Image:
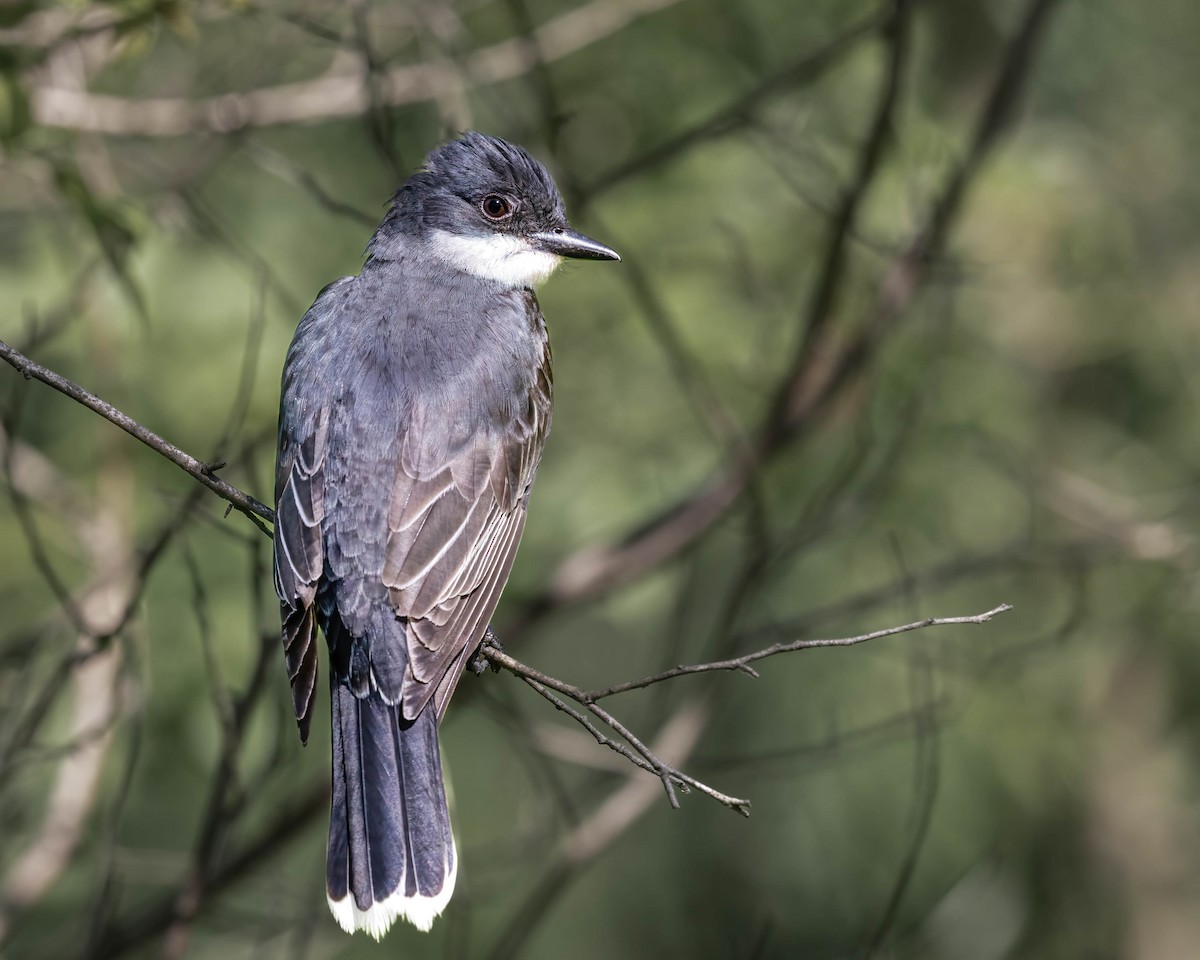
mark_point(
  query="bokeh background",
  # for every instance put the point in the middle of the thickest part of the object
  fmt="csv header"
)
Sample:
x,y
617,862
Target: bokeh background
x,y
906,327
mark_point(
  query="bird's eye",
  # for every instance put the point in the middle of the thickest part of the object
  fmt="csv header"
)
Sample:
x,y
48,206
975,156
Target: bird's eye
x,y
496,207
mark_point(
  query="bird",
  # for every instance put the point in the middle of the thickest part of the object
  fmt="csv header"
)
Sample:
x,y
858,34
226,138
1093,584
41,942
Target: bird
x,y
415,403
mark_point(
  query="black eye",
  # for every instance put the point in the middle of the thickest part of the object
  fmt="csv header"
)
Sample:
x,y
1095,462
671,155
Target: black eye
x,y
496,207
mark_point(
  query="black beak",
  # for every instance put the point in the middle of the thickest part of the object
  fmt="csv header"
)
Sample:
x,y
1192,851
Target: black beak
x,y
565,242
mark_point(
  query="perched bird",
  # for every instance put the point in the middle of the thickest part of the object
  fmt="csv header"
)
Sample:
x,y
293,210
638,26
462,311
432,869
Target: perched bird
x,y
416,400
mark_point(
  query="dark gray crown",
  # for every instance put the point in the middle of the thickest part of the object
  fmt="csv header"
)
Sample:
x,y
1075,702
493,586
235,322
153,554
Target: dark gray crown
x,y
447,192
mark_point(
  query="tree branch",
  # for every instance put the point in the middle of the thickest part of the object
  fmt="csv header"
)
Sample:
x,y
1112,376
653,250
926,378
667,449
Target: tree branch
x,y
593,570
637,752
203,472
743,662
804,70
332,96
642,756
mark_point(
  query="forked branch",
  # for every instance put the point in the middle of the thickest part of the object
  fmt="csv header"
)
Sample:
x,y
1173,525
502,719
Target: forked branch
x,y
637,752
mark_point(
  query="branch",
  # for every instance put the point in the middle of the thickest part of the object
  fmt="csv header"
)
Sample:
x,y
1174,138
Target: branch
x,y
812,352
201,471
125,936
333,96
644,758
203,879
743,662
594,570
637,752
94,671
602,828
805,70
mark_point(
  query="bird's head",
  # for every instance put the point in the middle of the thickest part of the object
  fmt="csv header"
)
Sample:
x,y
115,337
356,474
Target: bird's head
x,y
485,207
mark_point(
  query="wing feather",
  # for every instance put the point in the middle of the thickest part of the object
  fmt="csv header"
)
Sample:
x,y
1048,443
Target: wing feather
x,y
448,534
455,521
299,555
427,667
438,550
475,619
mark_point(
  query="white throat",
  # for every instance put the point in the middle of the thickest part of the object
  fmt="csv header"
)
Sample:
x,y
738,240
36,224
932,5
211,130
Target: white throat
x,y
511,261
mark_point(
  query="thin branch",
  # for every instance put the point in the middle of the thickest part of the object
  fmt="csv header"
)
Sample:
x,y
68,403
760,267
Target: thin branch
x,y
803,71
926,779
122,937
597,569
602,828
201,471
742,663
285,168
642,756
812,355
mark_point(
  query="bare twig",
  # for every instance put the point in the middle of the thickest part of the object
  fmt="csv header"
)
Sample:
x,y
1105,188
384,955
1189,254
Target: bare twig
x,y
640,755
201,471
93,674
160,914
806,69
812,354
94,711
742,663
602,828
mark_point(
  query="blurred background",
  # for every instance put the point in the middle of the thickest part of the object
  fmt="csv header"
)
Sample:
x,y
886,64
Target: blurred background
x,y
904,329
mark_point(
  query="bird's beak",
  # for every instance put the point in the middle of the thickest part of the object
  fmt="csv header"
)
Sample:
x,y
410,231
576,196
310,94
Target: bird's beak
x,y
565,242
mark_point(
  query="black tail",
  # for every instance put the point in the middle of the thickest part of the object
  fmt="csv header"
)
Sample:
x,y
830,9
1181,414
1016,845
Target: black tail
x,y
391,853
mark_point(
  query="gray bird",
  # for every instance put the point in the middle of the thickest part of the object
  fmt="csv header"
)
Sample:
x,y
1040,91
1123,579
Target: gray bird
x,y
416,401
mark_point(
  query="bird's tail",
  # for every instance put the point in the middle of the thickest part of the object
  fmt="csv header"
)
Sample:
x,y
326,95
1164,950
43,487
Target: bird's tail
x,y
391,853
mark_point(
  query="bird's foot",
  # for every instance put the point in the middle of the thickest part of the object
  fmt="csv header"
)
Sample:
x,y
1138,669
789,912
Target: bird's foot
x,y
480,662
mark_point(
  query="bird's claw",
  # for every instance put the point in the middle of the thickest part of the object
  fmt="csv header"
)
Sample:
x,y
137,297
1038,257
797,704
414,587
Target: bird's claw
x,y
480,662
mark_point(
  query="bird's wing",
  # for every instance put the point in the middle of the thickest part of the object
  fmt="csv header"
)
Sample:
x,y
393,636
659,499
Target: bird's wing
x,y
299,515
455,519
299,555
